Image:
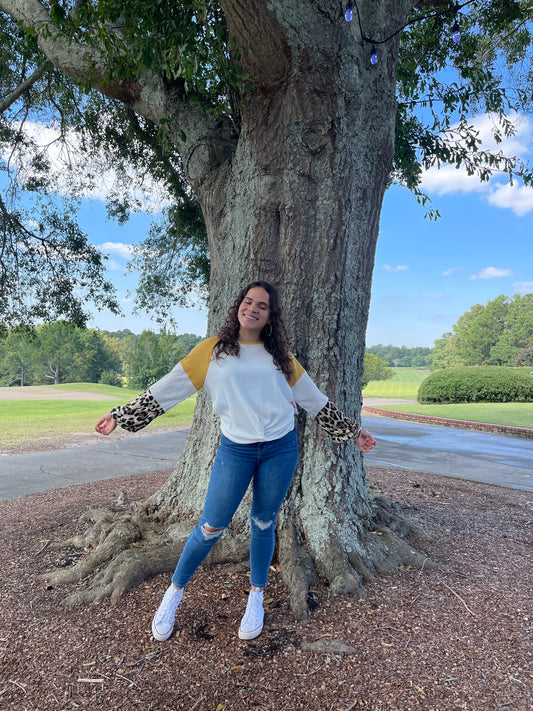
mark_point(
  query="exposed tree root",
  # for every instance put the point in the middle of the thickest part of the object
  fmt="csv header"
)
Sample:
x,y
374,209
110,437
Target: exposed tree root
x,y
381,549
106,538
297,569
128,569
386,513
126,547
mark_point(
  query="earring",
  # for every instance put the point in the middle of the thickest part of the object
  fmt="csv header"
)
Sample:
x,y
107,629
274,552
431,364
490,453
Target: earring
x,y
269,325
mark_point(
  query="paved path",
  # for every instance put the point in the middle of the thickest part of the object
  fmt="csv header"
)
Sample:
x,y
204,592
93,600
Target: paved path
x,y
477,456
22,474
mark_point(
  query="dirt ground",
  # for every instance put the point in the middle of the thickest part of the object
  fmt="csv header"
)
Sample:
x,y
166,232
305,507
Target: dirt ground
x,y
455,639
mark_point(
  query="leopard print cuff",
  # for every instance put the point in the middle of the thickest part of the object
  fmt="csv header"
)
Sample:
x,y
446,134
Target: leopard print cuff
x,y
336,425
138,413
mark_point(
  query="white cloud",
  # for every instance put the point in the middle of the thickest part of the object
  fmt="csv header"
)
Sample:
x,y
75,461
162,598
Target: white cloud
x,y
523,287
519,198
449,179
123,250
514,145
451,271
113,265
491,273
73,172
399,268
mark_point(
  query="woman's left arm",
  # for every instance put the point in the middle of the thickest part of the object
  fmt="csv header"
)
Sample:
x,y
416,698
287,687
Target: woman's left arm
x,y
334,423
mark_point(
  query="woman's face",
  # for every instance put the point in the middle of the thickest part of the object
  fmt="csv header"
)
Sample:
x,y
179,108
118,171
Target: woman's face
x,y
254,313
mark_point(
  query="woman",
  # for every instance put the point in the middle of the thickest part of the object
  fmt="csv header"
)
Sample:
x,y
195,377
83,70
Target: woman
x,y
255,384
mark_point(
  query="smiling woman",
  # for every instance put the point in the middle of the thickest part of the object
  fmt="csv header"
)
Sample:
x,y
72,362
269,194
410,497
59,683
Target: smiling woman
x,y
254,383
254,314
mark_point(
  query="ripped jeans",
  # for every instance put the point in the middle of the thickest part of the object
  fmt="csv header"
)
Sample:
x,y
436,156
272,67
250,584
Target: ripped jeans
x,y
271,466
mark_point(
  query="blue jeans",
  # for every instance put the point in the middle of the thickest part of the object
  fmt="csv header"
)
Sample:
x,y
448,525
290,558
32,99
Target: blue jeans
x,y
271,466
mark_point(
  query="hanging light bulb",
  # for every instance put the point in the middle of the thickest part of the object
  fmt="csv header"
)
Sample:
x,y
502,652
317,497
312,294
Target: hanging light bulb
x,y
374,55
349,11
455,29
456,33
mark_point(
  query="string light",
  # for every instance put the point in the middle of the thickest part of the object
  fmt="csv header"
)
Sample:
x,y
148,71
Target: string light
x,y
349,11
455,29
456,33
348,15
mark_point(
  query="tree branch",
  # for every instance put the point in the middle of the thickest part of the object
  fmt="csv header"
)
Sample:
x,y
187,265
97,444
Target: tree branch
x,y
24,86
252,24
148,94
433,3
81,63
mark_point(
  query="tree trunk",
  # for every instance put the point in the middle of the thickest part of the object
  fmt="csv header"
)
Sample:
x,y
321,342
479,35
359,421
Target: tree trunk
x,y
299,205
291,193
54,373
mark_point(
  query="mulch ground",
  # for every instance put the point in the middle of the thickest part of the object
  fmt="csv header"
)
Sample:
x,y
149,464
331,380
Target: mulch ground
x,y
454,639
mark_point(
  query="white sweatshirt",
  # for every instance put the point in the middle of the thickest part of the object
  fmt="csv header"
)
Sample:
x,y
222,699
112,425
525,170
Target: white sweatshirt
x,y
253,398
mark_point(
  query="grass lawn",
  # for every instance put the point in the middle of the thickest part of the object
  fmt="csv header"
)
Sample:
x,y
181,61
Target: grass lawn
x,y
23,419
514,414
404,384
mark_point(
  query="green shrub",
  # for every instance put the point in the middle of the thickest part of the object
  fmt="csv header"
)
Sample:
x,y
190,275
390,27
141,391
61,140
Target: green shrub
x,y
477,384
110,377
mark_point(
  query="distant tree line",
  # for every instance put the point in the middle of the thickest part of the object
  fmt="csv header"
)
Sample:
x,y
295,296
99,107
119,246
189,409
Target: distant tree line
x,y
375,368
60,352
401,356
499,333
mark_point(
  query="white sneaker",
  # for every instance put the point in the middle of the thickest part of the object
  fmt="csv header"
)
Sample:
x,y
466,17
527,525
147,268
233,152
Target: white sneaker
x,y
163,622
252,622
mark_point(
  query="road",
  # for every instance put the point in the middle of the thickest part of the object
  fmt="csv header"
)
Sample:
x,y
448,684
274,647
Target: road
x,y
465,454
22,474
495,459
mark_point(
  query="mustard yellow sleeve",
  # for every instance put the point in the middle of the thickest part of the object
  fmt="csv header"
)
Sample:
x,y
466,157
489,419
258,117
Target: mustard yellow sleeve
x,y
186,378
196,363
297,371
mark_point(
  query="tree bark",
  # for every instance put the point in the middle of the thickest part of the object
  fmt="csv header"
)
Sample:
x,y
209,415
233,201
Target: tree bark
x,y
294,197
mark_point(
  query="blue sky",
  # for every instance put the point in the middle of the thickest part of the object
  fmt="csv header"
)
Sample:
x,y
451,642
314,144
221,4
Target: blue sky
x,y
427,274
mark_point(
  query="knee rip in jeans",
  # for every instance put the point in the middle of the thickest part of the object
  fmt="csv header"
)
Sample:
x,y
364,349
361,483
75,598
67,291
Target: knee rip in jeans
x,y
208,532
261,525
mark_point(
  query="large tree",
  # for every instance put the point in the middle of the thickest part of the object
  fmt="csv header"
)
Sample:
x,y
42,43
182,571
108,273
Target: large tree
x,y
284,130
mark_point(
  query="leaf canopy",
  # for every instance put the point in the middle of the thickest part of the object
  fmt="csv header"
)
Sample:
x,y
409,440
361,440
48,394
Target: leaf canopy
x,y
49,269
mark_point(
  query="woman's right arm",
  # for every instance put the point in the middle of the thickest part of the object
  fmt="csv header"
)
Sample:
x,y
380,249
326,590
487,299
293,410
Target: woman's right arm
x,y
133,416
106,424
183,381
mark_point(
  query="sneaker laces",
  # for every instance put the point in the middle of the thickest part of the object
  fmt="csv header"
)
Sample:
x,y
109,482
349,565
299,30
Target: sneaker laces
x,y
169,604
254,613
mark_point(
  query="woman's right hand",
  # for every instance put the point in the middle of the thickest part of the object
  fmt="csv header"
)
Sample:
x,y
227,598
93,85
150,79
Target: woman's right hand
x,y
106,424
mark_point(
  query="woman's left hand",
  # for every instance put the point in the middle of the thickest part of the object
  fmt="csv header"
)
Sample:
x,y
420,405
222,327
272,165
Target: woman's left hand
x,y
365,441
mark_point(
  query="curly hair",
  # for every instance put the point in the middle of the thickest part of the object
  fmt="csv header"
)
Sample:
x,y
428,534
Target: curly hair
x,y
274,339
